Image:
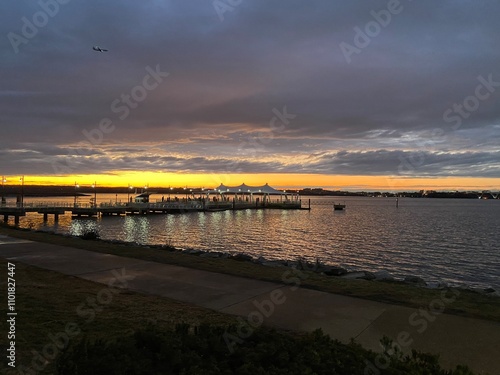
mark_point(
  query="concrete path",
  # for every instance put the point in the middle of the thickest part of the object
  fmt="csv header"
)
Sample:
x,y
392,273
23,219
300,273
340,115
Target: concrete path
x,y
458,340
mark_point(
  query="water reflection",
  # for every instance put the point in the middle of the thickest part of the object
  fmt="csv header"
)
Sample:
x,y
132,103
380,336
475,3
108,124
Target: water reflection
x,y
136,229
79,227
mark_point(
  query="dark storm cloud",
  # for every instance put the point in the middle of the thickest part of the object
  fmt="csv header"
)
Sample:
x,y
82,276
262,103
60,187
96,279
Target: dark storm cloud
x,y
372,163
227,77
416,163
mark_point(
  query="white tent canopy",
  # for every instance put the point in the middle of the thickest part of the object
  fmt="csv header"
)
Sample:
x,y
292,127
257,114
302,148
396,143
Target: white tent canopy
x,y
245,189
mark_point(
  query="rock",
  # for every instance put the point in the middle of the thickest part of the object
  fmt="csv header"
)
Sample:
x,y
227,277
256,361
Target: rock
x,y
193,251
242,257
369,276
261,260
169,248
212,254
354,275
414,280
383,276
333,271
303,265
435,284
274,263
489,290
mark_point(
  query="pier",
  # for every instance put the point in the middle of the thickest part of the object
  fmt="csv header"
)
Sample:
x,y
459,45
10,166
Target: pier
x,y
222,198
77,210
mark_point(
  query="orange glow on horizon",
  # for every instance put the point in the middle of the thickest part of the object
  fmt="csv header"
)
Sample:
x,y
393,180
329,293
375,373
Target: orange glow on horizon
x,y
354,183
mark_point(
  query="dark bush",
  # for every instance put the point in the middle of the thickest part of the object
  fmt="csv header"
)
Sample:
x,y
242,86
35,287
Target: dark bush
x,y
203,350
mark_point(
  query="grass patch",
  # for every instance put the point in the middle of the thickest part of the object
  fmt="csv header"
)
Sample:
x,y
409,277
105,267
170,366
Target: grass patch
x,y
48,301
468,303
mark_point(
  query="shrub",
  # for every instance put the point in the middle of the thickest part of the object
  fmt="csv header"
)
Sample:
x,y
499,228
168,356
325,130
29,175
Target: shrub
x,y
202,350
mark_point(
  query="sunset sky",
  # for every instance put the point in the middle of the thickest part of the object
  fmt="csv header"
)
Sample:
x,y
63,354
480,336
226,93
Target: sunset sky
x,y
356,95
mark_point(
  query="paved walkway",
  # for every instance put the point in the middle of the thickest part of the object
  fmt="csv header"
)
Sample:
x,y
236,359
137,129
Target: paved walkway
x,y
458,340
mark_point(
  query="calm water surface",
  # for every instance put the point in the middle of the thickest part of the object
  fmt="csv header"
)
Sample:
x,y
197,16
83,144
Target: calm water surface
x,y
451,240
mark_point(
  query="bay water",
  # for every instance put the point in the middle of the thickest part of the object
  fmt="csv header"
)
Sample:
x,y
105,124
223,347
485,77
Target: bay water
x,y
455,241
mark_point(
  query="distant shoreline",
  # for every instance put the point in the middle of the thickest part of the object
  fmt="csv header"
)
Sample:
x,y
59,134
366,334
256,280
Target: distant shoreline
x,y
44,192
65,190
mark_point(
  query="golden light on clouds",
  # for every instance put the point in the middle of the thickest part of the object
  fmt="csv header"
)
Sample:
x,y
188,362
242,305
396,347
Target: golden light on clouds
x,y
342,182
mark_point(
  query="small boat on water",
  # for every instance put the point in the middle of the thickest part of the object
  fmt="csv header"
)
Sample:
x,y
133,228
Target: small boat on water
x,y
338,206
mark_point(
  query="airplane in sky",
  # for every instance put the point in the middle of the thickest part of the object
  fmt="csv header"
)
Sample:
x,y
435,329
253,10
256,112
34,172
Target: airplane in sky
x,y
99,49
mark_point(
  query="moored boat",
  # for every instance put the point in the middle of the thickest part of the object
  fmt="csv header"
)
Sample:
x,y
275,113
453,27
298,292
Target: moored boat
x,y
338,206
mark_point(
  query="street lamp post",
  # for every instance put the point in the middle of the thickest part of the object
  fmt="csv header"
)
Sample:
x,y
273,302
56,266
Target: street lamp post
x,y
76,194
4,180
95,193
22,190
146,196
128,193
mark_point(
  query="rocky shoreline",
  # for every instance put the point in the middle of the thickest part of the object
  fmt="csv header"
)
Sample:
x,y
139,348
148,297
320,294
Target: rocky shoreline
x,y
300,264
316,267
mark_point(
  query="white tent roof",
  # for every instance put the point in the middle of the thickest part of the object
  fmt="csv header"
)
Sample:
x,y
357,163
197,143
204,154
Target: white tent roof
x,y
243,188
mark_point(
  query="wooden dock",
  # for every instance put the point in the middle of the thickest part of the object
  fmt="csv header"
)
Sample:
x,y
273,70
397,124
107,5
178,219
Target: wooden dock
x,y
132,208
